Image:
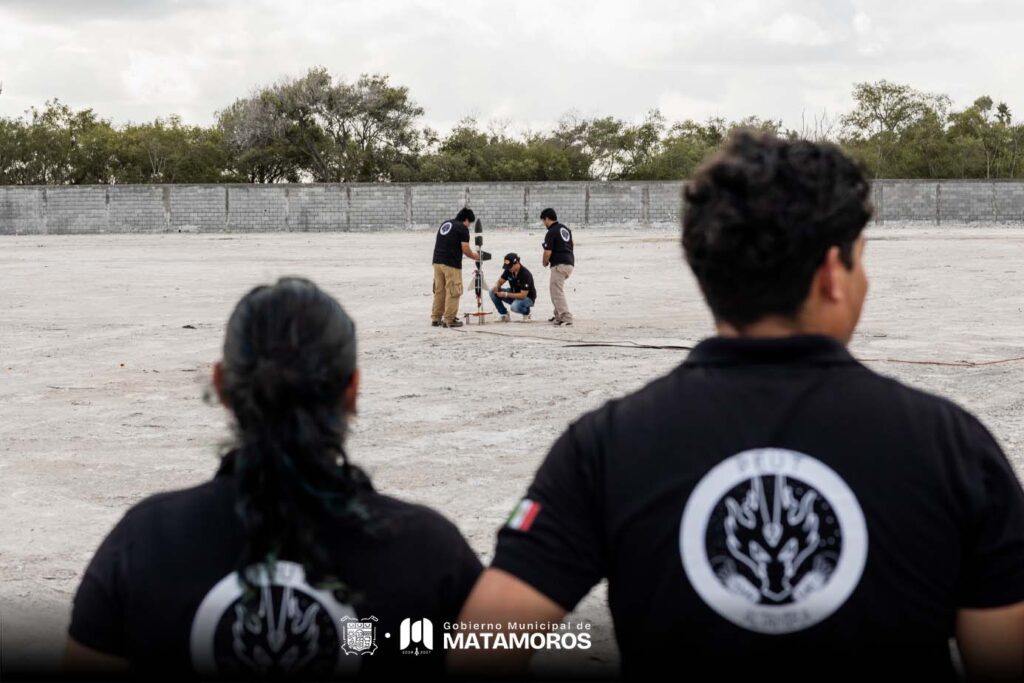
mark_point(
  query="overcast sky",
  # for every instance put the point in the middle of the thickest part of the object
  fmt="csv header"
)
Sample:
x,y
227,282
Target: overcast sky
x,y
523,61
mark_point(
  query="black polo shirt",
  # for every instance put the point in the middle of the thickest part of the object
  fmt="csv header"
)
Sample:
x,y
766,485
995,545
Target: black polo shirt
x,y
558,240
774,506
448,243
161,591
521,282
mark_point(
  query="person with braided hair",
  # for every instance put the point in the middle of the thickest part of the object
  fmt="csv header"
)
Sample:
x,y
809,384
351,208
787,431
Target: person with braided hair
x,y
287,564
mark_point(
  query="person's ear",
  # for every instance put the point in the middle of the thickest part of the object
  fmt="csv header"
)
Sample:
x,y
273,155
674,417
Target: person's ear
x,y
352,393
829,276
218,384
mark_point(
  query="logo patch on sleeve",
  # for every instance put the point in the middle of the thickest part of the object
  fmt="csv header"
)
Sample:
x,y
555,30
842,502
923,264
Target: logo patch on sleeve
x,y
523,516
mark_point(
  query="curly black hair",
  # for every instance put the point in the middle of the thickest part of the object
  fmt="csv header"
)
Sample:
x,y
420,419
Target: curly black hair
x,y
759,217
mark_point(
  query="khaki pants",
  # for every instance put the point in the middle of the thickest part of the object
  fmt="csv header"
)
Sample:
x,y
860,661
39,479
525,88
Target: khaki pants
x,y
559,274
447,292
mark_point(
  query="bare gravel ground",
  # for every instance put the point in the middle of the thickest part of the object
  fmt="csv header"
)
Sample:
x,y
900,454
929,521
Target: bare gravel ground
x,y
106,344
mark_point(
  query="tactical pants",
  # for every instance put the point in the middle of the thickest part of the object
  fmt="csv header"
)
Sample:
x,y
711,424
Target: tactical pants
x,y
448,290
559,274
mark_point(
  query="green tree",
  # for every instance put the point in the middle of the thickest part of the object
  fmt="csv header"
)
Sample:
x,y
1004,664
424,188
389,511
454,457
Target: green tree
x,y
167,151
883,112
343,131
60,146
12,140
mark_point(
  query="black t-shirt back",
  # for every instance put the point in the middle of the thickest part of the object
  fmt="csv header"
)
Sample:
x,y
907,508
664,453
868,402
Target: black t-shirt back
x,y
558,240
521,282
162,592
774,503
448,243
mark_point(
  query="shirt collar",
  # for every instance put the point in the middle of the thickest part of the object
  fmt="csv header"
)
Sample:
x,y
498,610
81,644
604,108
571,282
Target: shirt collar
x,y
807,349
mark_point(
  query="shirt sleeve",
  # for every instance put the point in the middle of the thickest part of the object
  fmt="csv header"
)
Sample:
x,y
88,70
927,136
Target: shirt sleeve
x,y
98,612
464,233
993,573
547,241
554,538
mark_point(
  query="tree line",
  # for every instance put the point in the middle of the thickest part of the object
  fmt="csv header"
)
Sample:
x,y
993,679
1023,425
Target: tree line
x,y
316,128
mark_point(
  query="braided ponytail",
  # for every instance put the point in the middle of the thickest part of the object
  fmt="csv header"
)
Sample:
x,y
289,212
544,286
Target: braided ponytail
x,y
289,357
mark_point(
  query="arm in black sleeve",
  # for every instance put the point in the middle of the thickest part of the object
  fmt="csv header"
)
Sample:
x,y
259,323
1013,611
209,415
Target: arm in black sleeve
x,y
98,612
554,539
993,572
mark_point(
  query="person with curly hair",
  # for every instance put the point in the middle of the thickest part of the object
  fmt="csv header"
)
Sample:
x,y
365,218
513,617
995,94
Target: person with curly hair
x,y
773,508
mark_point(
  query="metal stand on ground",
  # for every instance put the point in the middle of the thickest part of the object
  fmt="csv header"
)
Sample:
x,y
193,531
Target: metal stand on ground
x,y
478,276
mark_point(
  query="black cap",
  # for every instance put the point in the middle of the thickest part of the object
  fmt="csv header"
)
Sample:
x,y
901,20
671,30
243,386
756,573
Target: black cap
x,y
549,214
511,259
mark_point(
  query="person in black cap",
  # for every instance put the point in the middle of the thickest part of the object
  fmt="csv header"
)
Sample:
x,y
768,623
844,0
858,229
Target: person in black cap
x,y
520,291
287,564
558,253
450,245
772,507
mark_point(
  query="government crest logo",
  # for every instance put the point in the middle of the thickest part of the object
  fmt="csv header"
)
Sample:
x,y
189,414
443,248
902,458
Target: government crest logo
x,y
360,635
773,540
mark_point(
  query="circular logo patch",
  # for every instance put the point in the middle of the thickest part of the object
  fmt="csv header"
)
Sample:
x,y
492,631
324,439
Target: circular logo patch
x,y
290,630
773,540
446,228
564,232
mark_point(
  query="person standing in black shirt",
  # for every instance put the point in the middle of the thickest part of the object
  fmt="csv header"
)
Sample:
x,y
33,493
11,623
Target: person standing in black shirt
x,y
450,245
288,564
772,507
558,253
520,291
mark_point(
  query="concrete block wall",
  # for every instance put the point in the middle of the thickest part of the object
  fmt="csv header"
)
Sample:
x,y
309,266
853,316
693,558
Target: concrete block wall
x,y
378,206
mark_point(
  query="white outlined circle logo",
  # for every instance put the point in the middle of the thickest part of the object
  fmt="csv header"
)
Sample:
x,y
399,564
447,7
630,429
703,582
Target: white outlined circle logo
x,y
294,630
446,228
564,232
773,540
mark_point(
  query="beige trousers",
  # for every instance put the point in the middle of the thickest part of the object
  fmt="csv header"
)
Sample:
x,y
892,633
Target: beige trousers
x,y
447,292
559,274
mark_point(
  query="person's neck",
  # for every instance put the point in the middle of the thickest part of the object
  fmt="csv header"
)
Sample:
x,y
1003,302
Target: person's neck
x,y
771,327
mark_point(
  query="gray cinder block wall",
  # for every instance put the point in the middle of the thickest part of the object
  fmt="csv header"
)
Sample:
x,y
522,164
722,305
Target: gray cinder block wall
x,y
341,207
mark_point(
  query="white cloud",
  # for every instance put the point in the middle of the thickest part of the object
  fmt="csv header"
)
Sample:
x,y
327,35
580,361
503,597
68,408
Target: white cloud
x,y
528,61
677,106
795,30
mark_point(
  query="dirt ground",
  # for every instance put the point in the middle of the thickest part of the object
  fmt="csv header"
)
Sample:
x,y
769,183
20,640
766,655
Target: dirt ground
x,y
106,344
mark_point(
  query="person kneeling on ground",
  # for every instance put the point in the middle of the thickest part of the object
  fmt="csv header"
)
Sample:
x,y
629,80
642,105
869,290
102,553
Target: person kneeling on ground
x,y
287,560
521,290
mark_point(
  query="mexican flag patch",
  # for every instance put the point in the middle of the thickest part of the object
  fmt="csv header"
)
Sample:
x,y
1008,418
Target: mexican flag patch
x,y
522,517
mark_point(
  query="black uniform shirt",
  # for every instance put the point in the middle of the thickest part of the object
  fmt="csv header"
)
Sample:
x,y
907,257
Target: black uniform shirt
x,y
521,282
558,240
161,591
448,243
773,504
